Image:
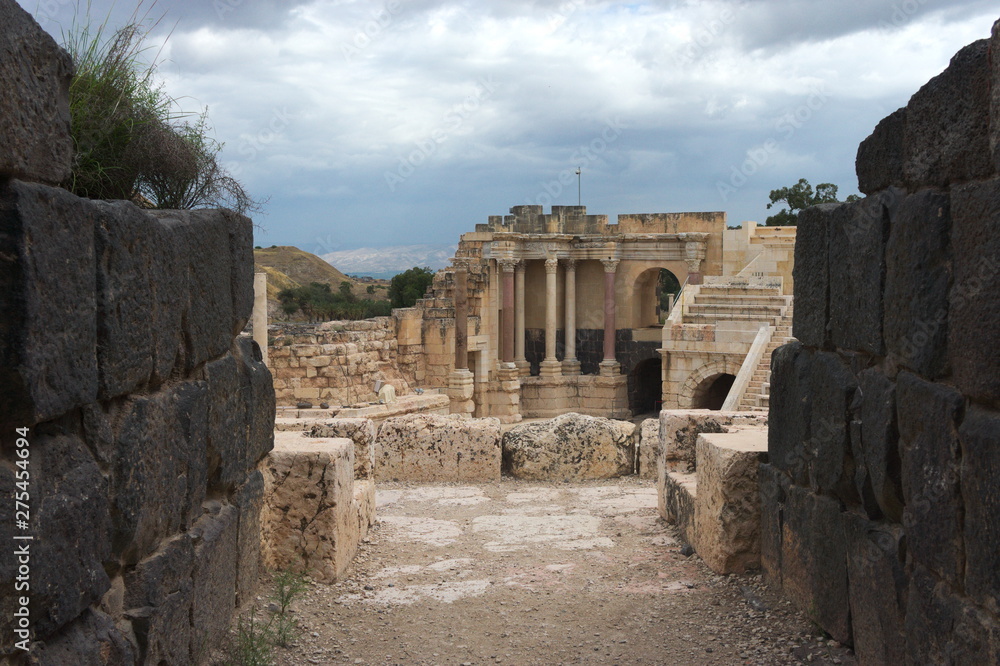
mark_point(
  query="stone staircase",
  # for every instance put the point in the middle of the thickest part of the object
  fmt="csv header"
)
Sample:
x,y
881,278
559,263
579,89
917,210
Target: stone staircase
x,y
715,303
757,396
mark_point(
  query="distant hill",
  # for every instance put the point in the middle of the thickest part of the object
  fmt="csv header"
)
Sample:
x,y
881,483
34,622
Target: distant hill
x,y
289,267
384,262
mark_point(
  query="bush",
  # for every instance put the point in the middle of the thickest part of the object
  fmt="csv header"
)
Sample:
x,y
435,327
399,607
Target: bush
x,y
406,288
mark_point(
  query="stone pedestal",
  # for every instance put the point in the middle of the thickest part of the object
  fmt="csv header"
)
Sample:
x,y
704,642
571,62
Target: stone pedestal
x,y
461,386
610,368
571,366
550,368
506,402
523,368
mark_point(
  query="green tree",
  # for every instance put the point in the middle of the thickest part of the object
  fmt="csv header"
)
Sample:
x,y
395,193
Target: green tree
x,y
799,197
407,287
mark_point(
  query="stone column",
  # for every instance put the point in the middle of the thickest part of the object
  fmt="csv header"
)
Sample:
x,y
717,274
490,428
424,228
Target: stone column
x,y
523,367
461,380
507,325
571,366
609,366
259,325
551,367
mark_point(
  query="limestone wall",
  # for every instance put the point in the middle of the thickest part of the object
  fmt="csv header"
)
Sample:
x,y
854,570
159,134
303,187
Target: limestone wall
x,y
339,361
880,505
131,416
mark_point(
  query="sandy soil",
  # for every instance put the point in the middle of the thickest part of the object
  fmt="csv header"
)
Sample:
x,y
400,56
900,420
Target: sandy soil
x,y
528,573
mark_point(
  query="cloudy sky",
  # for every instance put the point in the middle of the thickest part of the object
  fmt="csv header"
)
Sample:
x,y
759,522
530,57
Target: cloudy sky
x,y
409,121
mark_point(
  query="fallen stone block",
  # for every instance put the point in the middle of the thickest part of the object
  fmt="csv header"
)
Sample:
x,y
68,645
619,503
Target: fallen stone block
x,y
677,502
433,447
310,522
679,430
359,431
571,447
34,109
727,506
649,444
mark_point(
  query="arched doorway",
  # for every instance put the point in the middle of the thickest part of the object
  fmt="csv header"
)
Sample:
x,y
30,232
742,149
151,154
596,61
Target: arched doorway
x,y
712,391
649,296
646,386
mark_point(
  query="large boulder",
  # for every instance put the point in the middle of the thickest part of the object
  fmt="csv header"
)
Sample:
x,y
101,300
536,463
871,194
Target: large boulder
x,y
437,447
571,447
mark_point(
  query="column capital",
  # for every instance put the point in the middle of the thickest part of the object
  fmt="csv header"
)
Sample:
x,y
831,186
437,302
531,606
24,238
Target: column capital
x,y
521,265
460,263
551,265
610,265
507,265
571,264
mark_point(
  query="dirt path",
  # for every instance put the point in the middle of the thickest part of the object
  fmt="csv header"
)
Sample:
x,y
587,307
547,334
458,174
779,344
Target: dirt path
x,y
527,573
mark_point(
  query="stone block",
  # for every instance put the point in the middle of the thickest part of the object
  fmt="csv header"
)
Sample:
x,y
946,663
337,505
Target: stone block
x,y
980,438
831,387
571,447
70,521
727,507
92,639
249,501
34,110
433,447
359,431
364,501
774,485
995,96
228,415
946,138
258,391
857,237
918,276
158,602
878,584
48,354
790,409
974,305
160,462
213,580
310,523
814,561
677,502
649,444
879,163
811,274
880,442
929,448
679,430
242,267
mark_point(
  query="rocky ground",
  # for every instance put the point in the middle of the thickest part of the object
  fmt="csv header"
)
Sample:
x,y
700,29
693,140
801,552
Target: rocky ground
x,y
532,573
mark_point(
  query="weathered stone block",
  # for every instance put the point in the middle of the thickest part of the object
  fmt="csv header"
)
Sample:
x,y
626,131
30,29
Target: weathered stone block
x,y
774,485
309,521
569,447
91,640
169,278
880,157
359,431
241,278
677,502
974,314
649,444
727,507
123,246
228,441
258,390
433,447
790,409
831,388
249,501
814,561
158,600
679,430
880,442
857,236
928,442
811,274
918,275
34,109
995,96
213,581
946,136
980,437
877,589
48,355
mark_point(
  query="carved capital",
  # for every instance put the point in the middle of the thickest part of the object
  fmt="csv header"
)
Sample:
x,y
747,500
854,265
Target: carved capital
x,y
507,265
610,265
570,264
551,265
521,266
694,254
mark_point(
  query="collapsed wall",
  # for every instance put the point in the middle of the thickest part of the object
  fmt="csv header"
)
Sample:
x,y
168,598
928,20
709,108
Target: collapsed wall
x,y
132,417
880,503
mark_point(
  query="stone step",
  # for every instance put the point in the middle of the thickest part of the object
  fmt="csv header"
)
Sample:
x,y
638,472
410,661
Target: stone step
x,y
766,299
742,291
718,308
698,318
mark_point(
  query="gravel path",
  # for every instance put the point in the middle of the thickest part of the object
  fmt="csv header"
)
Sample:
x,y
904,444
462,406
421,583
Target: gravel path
x,y
528,573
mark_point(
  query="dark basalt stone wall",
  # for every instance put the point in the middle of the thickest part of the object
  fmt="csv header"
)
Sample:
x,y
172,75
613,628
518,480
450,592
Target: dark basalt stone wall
x,y
145,414
881,501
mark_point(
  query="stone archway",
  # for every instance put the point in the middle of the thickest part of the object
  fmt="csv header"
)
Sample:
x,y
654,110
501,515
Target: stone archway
x,y
704,384
645,386
646,296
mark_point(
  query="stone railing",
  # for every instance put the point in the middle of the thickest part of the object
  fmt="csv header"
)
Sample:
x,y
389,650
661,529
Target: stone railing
x,y
749,366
